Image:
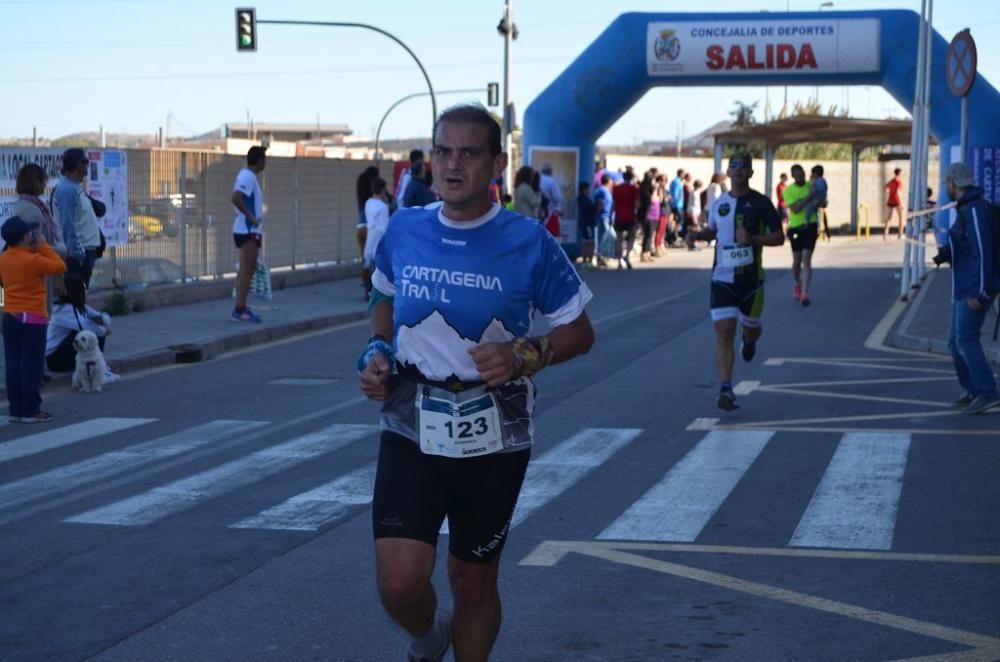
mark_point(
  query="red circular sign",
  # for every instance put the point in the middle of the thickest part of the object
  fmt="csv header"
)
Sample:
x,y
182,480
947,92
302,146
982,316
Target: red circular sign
x,y
960,64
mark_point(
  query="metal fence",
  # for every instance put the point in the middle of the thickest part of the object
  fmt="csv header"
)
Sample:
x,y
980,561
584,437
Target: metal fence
x,y
181,217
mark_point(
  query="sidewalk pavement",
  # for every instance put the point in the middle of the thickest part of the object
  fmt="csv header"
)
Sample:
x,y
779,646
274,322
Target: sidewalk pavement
x,y
924,324
202,330
180,333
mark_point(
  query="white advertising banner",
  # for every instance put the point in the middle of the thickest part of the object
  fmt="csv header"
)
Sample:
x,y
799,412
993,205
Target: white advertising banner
x,y
758,47
108,182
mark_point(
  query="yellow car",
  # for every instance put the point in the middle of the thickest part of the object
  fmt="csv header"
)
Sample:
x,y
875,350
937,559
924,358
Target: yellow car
x,y
142,226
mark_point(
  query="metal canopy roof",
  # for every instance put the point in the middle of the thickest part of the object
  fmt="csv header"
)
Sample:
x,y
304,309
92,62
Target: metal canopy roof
x,y
822,129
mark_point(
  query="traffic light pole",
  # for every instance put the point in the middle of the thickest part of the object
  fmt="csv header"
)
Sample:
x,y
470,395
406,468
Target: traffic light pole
x,y
430,88
378,132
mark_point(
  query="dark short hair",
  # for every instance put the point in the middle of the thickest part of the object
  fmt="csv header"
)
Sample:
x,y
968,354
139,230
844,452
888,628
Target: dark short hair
x,y
680,171
473,114
605,178
797,167
72,158
28,177
898,171
584,185
416,155
818,169
378,186
255,155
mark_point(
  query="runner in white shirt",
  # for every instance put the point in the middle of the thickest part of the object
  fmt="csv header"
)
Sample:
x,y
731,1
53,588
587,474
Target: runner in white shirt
x,y
248,229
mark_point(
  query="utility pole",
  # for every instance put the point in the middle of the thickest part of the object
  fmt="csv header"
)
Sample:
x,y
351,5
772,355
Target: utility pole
x,y
508,31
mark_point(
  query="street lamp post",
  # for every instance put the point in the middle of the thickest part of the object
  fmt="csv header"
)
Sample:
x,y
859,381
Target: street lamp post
x,y
378,132
430,88
508,30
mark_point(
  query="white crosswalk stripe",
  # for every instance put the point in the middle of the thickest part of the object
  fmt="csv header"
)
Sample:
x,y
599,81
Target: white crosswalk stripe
x,y
311,510
679,506
556,470
63,436
855,505
71,476
179,495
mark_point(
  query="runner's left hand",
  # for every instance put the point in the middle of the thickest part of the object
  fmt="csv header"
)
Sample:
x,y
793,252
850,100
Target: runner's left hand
x,y
495,362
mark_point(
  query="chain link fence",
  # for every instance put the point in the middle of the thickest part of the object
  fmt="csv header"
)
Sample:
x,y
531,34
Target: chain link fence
x,y
181,217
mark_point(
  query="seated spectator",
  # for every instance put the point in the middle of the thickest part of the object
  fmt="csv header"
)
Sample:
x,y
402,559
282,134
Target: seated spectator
x,y
70,315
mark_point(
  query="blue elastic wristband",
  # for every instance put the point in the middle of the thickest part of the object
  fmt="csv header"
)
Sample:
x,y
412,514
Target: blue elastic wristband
x,y
375,345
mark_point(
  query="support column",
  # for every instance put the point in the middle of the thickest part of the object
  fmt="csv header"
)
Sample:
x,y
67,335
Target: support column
x,y
855,158
718,157
768,170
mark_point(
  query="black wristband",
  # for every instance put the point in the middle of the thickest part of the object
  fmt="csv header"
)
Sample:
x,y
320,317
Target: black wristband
x,y
378,336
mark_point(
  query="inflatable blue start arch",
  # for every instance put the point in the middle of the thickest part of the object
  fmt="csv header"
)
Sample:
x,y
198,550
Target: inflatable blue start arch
x,y
639,51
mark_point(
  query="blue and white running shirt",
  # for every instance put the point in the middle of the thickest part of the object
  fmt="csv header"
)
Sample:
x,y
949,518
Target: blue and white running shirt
x,y
461,284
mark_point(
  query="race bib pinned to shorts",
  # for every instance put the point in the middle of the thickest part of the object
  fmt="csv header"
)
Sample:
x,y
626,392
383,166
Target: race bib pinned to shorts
x,y
457,425
735,255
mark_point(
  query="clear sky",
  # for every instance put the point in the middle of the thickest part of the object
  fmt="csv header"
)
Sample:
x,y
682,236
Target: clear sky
x,y
72,65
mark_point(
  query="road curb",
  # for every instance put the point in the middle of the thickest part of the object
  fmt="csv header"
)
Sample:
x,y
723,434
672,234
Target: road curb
x,y
245,337
901,338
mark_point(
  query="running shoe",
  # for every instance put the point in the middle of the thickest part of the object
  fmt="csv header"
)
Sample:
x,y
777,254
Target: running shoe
x,y
797,292
442,621
805,300
982,403
748,349
245,315
40,417
963,401
14,419
727,400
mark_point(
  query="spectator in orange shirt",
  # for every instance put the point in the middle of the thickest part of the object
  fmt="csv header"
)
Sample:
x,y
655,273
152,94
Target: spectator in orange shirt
x,y
24,264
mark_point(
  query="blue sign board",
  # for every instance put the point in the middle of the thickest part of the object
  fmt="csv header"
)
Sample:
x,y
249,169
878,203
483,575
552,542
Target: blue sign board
x,y
985,163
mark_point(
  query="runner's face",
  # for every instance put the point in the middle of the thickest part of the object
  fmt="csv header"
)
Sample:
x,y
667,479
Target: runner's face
x,y
463,167
739,176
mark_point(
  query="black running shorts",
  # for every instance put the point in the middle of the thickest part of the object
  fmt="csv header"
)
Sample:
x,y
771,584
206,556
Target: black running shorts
x,y
240,239
414,492
803,238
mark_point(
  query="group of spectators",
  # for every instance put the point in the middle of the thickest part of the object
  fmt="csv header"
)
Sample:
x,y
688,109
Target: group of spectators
x,y
538,195
663,214
51,246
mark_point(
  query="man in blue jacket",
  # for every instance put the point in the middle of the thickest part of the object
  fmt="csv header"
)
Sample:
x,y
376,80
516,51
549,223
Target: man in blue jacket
x,y
975,282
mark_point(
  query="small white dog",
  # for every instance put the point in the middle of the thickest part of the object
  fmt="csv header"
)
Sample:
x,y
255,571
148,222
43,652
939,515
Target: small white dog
x,y
90,365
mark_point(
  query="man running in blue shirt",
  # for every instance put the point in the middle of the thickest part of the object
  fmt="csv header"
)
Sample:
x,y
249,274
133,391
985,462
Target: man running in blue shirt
x,y
455,287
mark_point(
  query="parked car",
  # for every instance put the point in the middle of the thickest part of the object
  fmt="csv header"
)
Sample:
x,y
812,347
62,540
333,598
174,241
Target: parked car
x,y
136,272
143,226
168,212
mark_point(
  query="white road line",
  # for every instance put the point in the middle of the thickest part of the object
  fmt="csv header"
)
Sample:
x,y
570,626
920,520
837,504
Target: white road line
x,y
311,510
855,504
302,381
71,476
179,495
702,424
746,387
558,469
678,507
69,434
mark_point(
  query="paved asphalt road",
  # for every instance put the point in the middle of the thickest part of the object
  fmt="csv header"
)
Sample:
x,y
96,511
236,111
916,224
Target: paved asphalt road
x,y
219,511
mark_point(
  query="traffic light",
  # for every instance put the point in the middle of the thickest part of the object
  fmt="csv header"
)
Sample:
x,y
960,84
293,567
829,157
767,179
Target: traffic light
x,y
493,94
246,29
